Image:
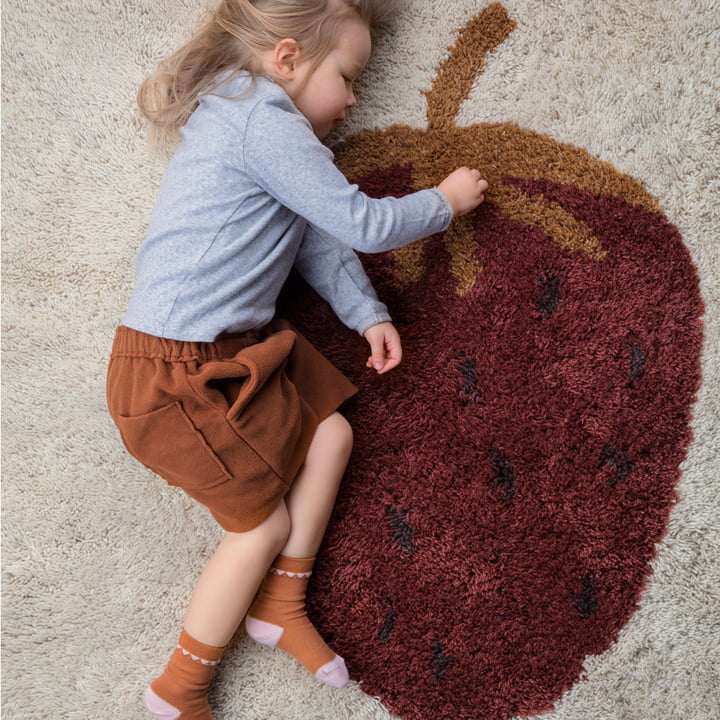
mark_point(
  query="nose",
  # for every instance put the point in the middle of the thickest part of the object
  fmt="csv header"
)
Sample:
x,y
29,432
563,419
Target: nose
x,y
351,101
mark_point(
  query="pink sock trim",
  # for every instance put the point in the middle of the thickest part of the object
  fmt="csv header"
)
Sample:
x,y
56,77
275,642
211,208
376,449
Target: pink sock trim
x,y
263,632
160,708
334,673
287,573
196,658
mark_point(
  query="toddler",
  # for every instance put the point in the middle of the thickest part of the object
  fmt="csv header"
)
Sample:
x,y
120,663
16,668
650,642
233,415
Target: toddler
x,y
206,386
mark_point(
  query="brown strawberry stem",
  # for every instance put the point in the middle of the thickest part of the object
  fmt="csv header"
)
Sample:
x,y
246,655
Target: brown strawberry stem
x,y
466,61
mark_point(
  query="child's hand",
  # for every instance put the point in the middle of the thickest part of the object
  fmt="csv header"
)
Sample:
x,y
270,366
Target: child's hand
x,y
385,348
464,190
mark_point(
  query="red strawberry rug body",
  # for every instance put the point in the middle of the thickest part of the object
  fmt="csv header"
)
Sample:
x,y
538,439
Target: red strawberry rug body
x,y
510,481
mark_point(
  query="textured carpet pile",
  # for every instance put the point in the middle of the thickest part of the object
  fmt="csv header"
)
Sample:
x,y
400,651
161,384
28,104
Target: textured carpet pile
x,y
529,526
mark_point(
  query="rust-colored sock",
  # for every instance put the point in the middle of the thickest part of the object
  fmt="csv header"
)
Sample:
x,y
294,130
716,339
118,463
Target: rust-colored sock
x,y
180,693
278,618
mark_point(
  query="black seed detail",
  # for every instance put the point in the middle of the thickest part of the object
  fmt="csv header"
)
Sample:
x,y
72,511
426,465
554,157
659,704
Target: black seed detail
x,y
404,535
619,461
440,659
637,361
504,474
388,624
585,601
550,298
468,369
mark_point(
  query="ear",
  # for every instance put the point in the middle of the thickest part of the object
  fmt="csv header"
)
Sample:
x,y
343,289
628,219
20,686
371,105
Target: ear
x,y
285,58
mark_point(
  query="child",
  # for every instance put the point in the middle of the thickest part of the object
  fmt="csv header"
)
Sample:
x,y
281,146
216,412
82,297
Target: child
x,y
206,387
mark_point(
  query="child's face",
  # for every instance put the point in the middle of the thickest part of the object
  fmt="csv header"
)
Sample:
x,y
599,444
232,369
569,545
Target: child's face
x,y
328,91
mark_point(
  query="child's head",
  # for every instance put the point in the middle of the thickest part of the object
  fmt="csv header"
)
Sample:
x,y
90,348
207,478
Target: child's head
x,y
239,35
321,86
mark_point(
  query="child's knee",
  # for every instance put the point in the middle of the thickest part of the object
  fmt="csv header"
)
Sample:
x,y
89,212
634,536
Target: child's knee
x,y
339,433
273,533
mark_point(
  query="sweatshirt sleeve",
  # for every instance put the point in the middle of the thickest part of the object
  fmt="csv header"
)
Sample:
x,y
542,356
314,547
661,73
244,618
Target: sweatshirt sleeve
x,y
336,273
285,158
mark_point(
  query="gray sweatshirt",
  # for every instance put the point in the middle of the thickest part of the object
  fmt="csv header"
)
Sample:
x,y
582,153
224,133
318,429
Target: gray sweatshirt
x,y
249,193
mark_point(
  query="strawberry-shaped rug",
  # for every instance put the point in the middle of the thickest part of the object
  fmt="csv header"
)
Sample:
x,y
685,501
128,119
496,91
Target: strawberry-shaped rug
x,y
511,478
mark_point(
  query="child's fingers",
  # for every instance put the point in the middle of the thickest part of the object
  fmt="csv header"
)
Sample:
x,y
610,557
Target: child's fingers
x,y
393,352
377,351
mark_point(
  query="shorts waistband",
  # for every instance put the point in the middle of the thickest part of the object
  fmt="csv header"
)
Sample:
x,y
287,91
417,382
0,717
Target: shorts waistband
x,y
133,343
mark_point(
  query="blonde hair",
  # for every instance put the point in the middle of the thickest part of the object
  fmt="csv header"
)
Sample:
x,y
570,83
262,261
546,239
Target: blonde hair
x,y
231,39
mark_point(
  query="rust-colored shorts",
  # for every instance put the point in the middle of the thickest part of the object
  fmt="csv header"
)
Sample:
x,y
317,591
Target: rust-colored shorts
x,y
230,422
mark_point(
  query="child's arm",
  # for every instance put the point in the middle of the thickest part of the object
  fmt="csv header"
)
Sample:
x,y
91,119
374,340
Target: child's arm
x,y
282,154
336,273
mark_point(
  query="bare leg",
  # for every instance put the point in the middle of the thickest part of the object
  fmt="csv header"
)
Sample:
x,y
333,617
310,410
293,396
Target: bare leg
x,y
228,583
312,496
221,598
278,617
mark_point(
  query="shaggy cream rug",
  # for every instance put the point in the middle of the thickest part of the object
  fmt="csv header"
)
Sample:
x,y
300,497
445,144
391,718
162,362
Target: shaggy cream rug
x,y
99,557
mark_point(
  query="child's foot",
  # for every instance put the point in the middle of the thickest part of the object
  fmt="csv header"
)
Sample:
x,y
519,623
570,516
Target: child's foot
x,y
180,693
278,618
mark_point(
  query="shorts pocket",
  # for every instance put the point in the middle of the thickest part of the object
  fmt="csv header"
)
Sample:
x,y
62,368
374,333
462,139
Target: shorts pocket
x,y
167,442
